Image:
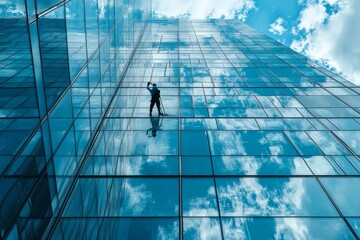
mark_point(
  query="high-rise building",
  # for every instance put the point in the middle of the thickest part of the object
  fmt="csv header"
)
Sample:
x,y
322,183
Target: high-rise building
x,y
257,142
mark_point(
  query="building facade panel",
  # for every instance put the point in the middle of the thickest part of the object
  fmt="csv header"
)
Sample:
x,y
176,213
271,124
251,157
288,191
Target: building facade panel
x,y
61,62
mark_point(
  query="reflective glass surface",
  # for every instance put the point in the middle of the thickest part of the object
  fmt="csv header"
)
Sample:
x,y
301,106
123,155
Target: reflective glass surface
x,y
199,197
345,194
124,197
246,134
201,228
272,197
285,228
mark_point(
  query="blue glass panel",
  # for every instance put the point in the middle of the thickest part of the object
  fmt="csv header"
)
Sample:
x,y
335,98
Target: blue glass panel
x,y
30,4
354,162
346,165
285,72
124,197
54,53
345,193
351,138
61,120
285,228
134,165
272,124
198,124
226,165
201,228
194,143
103,11
75,29
196,165
328,143
355,224
333,112
320,101
232,101
141,124
237,124
13,195
92,30
340,91
118,228
273,197
136,143
32,160
37,68
44,5
11,141
65,150
249,143
199,197
352,101
320,165
4,161
345,124
303,143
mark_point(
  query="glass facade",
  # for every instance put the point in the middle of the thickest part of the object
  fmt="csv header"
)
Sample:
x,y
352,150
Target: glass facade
x,y
61,65
257,142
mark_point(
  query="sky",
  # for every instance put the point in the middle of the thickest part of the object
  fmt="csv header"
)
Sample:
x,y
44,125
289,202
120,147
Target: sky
x,y
326,31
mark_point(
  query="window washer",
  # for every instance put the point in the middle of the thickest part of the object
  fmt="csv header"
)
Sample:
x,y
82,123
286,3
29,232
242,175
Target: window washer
x,y
155,98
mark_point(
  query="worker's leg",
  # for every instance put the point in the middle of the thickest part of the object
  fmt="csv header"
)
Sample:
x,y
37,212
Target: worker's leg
x,y
152,103
158,106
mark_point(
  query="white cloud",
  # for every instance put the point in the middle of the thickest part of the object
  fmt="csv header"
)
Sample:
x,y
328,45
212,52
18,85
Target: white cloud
x,y
335,40
136,197
202,228
333,2
249,197
247,164
202,9
169,232
10,8
312,16
202,206
277,27
234,228
292,228
102,7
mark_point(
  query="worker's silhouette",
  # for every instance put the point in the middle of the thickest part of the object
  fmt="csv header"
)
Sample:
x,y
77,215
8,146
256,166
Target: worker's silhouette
x,y
155,98
155,126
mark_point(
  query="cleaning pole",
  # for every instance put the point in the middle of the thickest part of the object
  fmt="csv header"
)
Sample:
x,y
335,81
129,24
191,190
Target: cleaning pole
x,y
162,106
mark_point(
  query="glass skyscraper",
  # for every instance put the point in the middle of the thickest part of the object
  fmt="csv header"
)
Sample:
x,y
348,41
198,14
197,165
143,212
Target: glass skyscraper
x,y
257,142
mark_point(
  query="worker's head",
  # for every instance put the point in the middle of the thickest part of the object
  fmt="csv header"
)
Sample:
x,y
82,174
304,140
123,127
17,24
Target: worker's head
x,y
154,84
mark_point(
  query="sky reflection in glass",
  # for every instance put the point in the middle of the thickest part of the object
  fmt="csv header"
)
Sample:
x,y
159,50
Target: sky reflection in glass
x,y
254,136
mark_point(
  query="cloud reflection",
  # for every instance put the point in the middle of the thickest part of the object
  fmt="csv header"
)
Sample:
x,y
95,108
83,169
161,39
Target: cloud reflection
x,y
273,197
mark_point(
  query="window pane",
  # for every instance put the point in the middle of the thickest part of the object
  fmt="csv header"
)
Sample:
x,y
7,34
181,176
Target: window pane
x,y
345,192
274,165
195,165
199,197
285,228
250,143
201,228
351,138
194,143
107,197
134,165
118,228
272,197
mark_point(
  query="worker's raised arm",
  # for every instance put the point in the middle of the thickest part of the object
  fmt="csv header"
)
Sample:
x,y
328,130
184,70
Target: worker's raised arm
x,y
147,87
